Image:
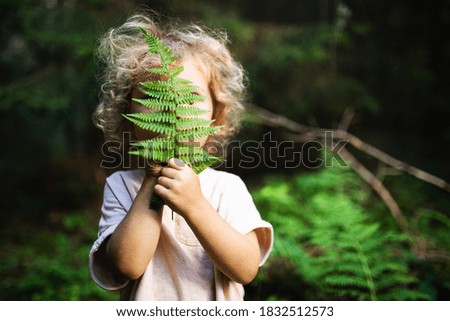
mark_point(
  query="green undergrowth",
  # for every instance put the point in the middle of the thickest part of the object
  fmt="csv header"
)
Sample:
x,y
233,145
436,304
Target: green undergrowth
x,y
50,261
332,242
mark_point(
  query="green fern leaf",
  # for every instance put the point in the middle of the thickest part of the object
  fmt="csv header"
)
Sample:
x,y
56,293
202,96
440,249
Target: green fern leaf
x,y
157,85
196,133
345,281
160,128
164,96
189,111
329,235
175,71
158,71
189,98
158,143
155,155
156,104
404,294
171,113
185,124
155,117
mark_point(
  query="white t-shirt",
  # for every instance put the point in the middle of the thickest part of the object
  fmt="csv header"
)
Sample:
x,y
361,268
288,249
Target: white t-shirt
x,y
180,268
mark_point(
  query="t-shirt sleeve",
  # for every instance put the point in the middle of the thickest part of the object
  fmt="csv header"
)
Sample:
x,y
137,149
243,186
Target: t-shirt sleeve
x,y
114,209
239,210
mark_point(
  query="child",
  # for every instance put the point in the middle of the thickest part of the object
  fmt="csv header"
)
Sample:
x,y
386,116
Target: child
x,y
216,239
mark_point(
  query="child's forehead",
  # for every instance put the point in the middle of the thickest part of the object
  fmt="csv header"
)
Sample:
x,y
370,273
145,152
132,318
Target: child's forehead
x,y
195,63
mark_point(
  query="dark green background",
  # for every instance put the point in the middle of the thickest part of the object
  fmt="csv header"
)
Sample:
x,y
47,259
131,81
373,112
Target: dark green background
x,y
310,60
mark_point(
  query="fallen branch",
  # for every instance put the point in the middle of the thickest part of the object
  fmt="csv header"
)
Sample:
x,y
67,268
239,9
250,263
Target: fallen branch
x,y
422,248
378,187
306,133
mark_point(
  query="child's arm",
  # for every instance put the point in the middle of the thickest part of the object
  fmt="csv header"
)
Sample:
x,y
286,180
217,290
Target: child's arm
x,y
133,243
236,255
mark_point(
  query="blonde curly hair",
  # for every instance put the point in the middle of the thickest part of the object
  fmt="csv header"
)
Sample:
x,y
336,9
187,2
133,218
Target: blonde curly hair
x,y
125,53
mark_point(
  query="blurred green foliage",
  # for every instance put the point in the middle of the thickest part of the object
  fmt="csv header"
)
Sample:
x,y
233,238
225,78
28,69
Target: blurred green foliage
x,y
51,263
330,244
387,61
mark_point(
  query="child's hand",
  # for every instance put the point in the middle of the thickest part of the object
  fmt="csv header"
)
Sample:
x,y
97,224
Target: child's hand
x,y
179,187
152,168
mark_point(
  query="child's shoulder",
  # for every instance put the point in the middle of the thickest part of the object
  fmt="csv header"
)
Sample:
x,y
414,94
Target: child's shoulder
x,y
219,177
125,179
132,174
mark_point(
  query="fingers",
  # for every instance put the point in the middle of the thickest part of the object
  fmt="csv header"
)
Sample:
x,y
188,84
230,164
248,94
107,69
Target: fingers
x,y
171,177
169,172
153,168
176,163
161,191
165,182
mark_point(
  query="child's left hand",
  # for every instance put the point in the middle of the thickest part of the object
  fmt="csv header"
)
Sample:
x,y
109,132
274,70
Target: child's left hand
x,y
179,187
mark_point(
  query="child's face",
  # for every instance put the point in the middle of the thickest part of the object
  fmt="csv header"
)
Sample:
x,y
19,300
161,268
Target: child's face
x,y
197,77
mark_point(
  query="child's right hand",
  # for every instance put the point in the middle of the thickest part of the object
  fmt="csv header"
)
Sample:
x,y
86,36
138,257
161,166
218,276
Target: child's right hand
x,y
179,187
153,169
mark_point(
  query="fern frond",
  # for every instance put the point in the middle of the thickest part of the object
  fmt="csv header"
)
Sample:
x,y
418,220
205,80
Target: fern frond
x,y
181,81
157,47
155,117
156,104
347,255
352,293
196,133
157,85
151,39
157,143
189,111
381,267
175,71
162,96
169,60
345,281
188,98
160,128
395,280
345,267
185,124
153,154
158,71
195,159
404,294
185,89
170,100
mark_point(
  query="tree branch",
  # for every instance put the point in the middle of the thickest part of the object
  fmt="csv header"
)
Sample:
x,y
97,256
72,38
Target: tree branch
x,y
307,133
421,247
378,187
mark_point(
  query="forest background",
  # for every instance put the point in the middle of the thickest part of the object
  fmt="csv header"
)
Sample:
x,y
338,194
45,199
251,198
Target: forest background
x,y
364,227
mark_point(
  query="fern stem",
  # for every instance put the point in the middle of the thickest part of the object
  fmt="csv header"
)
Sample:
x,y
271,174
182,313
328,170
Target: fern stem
x,y
367,272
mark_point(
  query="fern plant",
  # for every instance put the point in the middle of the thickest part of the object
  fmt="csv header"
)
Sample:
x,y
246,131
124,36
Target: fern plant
x,y
324,226
171,114
357,260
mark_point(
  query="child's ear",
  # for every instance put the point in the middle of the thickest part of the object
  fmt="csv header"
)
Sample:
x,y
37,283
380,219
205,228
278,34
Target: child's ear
x,y
218,113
